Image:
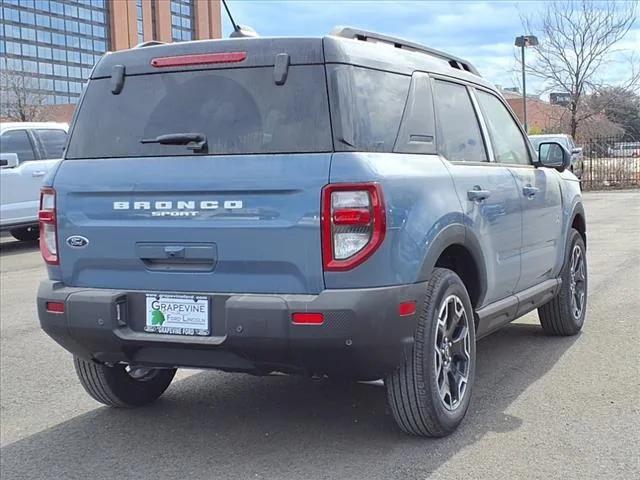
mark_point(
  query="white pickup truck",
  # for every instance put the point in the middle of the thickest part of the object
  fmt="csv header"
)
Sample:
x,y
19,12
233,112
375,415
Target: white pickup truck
x,y
28,150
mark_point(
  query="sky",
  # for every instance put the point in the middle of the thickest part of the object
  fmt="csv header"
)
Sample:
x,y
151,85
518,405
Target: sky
x,y
482,32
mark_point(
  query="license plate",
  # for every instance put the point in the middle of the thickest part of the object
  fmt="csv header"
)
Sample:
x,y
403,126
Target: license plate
x,y
177,314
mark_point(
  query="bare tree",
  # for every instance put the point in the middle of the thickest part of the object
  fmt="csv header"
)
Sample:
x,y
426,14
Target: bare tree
x,y
578,40
20,99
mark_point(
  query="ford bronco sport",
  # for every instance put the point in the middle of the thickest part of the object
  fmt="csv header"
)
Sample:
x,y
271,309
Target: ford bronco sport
x,y
350,206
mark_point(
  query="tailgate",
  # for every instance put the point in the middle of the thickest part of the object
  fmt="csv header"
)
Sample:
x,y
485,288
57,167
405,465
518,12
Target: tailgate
x,y
247,224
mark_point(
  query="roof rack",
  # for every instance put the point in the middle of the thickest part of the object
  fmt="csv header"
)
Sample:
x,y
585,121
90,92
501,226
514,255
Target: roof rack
x,y
150,43
364,35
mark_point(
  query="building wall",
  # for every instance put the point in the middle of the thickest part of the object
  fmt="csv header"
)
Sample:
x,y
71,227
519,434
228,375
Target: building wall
x,y
51,45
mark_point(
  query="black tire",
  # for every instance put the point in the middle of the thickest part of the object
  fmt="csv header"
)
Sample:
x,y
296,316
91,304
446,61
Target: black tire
x,y
25,234
115,387
412,389
557,316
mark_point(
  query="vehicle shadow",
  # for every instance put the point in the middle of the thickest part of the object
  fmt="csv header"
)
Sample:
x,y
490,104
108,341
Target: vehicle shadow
x,y
8,246
215,425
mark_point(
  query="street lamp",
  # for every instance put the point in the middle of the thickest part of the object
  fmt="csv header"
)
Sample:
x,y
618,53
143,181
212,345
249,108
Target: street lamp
x,y
522,42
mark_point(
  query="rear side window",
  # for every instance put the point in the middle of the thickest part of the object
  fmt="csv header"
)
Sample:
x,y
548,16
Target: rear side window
x,y
459,137
240,111
506,138
18,142
366,107
52,142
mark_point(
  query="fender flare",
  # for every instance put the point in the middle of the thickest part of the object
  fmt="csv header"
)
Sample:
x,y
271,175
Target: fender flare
x,y
456,234
578,209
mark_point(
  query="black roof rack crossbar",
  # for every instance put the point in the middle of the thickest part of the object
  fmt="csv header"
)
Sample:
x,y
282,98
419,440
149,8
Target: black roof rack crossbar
x,y
364,35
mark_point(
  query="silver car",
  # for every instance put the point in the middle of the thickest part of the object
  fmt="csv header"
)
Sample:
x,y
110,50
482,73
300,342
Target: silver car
x,y
568,143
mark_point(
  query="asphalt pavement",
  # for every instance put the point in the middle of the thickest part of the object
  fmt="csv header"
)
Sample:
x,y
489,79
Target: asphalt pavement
x,y
542,407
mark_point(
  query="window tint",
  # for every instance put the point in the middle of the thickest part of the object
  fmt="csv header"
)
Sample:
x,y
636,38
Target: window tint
x,y
17,141
460,138
52,141
239,110
508,142
366,107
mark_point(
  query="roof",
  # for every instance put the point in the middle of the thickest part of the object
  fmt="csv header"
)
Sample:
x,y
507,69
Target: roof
x,y
346,45
31,125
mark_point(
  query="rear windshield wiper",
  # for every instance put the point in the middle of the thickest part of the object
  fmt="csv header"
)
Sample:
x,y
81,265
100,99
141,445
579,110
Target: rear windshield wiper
x,y
193,141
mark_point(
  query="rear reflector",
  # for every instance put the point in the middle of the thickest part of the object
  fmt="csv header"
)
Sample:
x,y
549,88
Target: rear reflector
x,y
407,308
55,307
308,318
201,59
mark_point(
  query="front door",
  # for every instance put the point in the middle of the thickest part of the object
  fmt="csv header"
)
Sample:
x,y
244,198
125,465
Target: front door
x,y
538,190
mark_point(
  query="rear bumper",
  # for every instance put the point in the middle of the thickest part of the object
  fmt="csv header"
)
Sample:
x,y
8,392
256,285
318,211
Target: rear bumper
x,y
363,334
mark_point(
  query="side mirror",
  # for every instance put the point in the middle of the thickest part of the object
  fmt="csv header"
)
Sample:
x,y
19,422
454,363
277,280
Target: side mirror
x,y
554,155
576,151
8,160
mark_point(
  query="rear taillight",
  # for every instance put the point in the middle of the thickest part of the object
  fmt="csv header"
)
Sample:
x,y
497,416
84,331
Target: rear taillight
x,y
48,226
353,224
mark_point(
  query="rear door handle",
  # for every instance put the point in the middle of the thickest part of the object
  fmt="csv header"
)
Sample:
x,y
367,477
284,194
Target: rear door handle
x,y
477,194
530,191
38,173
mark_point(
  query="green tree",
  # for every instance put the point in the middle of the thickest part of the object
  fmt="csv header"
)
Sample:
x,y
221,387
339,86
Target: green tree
x,y
621,106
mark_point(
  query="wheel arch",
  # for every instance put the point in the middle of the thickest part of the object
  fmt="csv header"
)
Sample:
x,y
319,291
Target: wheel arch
x,y
459,250
578,221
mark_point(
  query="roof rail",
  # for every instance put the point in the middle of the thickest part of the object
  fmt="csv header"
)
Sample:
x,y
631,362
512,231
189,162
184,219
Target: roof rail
x,y
364,35
150,43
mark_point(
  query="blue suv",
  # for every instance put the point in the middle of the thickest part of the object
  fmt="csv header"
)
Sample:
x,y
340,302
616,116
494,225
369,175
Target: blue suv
x,y
352,206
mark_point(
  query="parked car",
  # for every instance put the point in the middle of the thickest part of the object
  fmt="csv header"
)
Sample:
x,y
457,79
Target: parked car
x,y
625,149
28,150
577,158
351,206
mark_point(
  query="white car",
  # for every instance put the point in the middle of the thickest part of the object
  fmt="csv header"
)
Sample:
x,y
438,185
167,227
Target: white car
x,y
28,150
625,149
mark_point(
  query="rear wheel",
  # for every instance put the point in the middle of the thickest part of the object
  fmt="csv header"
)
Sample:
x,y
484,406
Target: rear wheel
x,y
122,385
564,314
25,234
429,393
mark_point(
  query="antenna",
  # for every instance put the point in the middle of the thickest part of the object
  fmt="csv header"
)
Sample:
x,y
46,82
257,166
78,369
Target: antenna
x,y
238,30
236,27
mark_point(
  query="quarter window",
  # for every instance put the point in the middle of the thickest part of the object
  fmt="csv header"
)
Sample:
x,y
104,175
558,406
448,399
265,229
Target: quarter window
x,y
460,139
506,138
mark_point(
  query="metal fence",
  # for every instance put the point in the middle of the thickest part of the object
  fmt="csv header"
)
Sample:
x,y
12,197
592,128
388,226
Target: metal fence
x,y
610,162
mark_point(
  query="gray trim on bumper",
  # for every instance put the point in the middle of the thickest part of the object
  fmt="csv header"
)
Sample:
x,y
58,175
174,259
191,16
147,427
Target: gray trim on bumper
x,y
362,334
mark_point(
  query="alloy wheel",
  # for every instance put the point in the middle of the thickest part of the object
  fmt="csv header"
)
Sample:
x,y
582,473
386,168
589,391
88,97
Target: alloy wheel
x,y
578,284
452,352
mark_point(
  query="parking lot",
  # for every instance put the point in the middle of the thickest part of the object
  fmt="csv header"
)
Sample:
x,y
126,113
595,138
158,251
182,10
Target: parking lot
x,y
542,407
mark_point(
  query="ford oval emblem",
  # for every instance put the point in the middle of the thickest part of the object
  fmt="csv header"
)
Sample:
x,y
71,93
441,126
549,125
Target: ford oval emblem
x,y
77,241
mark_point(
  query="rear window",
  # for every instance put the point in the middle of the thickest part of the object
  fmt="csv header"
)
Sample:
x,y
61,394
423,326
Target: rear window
x,y
240,111
52,142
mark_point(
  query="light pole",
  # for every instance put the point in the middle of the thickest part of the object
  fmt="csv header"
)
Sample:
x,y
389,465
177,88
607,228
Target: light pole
x,y
522,42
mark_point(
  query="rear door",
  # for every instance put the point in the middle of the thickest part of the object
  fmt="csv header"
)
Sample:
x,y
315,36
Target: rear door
x,y
538,189
240,215
487,192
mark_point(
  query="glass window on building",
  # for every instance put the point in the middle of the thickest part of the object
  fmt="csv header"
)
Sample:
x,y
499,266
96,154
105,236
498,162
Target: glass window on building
x,y
181,20
78,31
139,21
